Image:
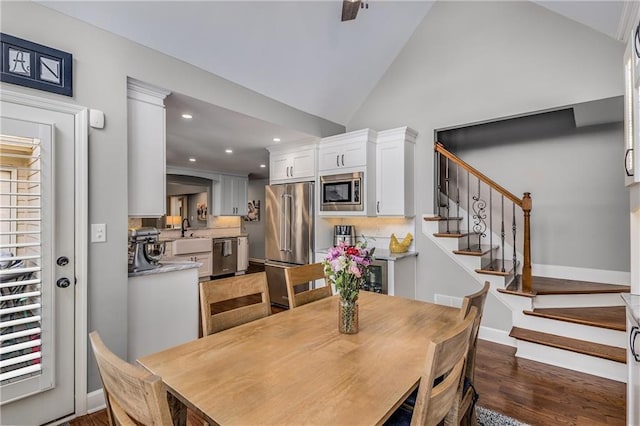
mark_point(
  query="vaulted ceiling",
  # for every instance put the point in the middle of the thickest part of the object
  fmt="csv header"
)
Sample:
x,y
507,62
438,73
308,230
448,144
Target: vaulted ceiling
x,y
297,52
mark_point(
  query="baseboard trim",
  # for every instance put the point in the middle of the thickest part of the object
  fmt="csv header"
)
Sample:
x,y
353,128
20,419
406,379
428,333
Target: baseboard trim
x,y
496,336
95,401
256,260
582,274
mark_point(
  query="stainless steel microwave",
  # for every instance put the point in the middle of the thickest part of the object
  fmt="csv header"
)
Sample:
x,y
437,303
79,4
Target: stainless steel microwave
x,y
342,193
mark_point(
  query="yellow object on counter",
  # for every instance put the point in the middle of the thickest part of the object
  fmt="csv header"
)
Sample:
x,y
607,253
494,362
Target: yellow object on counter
x,y
396,246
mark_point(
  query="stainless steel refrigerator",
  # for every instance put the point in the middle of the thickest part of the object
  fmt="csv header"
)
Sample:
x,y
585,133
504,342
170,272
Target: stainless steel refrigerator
x,y
289,238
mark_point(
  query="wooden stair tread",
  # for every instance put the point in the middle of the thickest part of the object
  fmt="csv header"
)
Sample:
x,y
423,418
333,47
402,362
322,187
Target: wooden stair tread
x,y
495,268
609,317
440,218
580,346
451,234
544,285
475,250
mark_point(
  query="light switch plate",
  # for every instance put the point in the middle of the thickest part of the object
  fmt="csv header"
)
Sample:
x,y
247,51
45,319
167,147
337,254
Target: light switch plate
x,y
98,232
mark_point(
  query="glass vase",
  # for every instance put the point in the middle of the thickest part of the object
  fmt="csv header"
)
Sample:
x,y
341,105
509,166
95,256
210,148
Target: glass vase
x,y
347,317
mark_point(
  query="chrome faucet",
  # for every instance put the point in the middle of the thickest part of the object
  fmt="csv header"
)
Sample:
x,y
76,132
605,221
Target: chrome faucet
x,y
183,227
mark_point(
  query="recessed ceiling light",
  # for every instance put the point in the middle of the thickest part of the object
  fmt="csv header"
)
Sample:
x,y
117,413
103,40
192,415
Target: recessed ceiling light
x,y
193,160
263,166
276,139
187,116
228,151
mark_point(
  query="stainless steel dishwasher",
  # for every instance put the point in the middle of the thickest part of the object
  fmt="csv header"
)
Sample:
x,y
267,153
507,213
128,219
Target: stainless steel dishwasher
x,y
225,256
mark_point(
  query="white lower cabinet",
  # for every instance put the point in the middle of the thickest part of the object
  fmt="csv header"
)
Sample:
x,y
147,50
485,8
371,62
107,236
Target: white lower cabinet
x,y
163,311
243,254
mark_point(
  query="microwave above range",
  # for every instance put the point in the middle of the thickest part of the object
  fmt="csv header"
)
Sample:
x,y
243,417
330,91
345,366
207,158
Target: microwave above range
x,y
342,192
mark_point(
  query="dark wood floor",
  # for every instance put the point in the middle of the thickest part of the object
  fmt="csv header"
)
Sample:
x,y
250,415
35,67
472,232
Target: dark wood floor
x,y
529,391
541,394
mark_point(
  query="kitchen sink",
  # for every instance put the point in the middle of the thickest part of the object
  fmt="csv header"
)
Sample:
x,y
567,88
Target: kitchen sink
x,y
191,245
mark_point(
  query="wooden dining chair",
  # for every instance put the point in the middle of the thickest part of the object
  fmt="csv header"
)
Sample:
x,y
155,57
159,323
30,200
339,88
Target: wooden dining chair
x,y
299,275
132,393
441,377
228,302
463,410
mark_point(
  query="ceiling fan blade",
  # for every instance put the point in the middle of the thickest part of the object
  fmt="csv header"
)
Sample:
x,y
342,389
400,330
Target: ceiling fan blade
x,y
350,9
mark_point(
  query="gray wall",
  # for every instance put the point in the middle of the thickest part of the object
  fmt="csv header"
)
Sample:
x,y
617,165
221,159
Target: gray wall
x,y
469,62
102,62
580,204
256,229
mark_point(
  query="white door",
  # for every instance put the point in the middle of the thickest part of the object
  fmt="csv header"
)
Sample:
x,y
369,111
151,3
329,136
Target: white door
x,y
37,265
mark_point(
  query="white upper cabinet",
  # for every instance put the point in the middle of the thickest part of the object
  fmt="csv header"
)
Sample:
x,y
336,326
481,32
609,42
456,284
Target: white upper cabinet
x,y
632,108
230,195
292,163
395,172
346,151
146,131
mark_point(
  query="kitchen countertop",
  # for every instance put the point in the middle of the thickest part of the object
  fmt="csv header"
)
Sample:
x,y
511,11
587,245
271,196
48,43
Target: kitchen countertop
x,y
382,254
171,239
633,306
167,266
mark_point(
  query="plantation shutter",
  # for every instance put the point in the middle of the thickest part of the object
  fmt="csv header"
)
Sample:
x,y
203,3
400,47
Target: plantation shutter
x,y
25,356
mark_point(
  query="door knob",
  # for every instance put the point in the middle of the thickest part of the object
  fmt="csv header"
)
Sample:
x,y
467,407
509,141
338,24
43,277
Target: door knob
x,y
62,261
63,282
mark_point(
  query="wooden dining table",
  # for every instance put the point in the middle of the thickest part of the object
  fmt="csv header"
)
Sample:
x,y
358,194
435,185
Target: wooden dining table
x,y
295,368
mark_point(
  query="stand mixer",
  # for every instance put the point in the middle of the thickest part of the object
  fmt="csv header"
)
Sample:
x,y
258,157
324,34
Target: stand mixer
x,y
145,251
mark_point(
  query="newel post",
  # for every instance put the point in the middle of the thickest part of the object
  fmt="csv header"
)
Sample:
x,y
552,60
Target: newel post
x,y
526,267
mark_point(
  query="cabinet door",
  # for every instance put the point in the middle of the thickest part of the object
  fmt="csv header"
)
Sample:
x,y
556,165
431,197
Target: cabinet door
x,y
146,133
279,166
343,155
243,253
227,195
240,186
303,164
206,269
390,179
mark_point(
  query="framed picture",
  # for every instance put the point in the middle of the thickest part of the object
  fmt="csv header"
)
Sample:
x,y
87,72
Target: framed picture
x,y
253,211
34,65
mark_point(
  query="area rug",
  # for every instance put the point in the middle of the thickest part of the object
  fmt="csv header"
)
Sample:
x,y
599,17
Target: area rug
x,y
488,417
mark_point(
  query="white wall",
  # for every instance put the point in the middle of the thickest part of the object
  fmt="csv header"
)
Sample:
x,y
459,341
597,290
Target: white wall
x,y
474,61
102,62
256,229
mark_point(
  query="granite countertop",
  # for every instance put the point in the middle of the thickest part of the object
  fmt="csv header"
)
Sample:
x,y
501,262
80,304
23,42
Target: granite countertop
x,y
382,254
633,306
168,266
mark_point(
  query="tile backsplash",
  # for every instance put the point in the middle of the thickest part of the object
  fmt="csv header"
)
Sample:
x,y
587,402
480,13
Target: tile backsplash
x,y
218,226
378,230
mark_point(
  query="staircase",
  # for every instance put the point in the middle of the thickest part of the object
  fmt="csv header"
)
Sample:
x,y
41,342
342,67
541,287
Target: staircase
x,y
574,324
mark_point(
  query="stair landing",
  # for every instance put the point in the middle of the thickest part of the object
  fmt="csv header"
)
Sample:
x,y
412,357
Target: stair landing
x,y
546,286
610,317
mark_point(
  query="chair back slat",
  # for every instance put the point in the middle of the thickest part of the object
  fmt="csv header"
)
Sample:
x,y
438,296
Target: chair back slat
x,y
132,393
445,358
233,290
303,275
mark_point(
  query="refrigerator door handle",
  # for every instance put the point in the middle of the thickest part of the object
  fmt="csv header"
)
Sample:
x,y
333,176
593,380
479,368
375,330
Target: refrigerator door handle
x,y
281,223
287,208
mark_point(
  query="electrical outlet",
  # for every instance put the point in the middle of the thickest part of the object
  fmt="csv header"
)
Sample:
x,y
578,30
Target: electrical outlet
x,y
98,232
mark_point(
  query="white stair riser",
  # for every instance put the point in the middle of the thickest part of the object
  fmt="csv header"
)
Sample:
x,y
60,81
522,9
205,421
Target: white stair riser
x,y
577,300
575,331
515,303
573,361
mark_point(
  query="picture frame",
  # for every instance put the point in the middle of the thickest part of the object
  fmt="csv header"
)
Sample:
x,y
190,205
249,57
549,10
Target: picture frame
x,y
36,66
